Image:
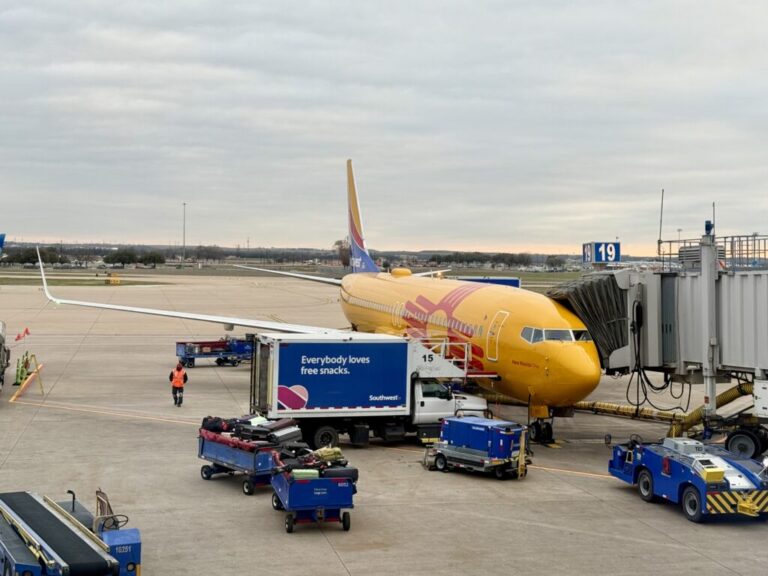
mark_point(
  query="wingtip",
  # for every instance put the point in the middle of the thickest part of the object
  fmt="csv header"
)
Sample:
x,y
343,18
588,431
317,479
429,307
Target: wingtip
x,y
42,275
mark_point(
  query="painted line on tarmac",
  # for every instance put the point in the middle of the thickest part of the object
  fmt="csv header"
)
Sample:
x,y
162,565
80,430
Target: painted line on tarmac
x,y
104,412
567,471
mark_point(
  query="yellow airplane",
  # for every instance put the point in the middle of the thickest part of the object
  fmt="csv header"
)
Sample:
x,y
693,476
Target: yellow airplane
x,y
526,345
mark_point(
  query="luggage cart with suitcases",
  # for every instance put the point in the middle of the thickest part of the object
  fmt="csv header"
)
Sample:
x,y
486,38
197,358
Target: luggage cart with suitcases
x,y
308,497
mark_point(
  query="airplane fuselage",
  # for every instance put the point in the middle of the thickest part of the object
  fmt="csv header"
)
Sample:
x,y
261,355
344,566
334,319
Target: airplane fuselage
x,y
540,351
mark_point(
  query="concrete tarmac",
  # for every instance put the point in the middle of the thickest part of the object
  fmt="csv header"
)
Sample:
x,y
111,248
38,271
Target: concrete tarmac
x,y
106,419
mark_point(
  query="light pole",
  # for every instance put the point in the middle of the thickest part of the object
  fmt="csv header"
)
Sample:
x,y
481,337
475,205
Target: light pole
x,y
184,235
678,234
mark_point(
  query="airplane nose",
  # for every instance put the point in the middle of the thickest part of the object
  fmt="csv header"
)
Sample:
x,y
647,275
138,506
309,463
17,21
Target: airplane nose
x,y
579,369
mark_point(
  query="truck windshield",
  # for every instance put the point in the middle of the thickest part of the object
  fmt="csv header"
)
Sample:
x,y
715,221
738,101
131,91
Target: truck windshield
x,y
433,389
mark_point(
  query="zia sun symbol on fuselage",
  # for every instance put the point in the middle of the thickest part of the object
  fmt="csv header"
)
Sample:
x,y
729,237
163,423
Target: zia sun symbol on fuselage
x,y
418,313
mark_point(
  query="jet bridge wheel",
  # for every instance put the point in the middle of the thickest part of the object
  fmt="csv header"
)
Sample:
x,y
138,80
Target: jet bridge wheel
x,y
744,442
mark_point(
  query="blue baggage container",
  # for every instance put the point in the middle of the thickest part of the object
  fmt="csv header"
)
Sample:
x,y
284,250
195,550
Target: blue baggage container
x,y
497,438
312,499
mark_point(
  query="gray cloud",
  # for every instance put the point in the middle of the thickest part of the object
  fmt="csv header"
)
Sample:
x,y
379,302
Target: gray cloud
x,y
484,125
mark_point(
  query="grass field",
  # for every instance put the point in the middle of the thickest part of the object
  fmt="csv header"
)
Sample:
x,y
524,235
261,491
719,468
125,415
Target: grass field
x,y
29,281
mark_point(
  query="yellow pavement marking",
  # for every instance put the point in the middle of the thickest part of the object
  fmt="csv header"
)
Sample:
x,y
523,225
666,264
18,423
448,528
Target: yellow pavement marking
x,y
105,412
567,471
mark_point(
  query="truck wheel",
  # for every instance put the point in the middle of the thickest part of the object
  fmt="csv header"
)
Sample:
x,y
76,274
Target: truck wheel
x,y
289,523
743,442
325,436
206,472
691,503
346,521
441,464
500,473
248,487
276,504
645,486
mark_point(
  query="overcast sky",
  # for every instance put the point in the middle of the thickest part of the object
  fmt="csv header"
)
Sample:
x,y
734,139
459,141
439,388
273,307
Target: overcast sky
x,y
496,126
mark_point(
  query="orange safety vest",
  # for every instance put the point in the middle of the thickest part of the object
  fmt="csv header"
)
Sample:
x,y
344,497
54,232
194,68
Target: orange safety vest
x,y
178,378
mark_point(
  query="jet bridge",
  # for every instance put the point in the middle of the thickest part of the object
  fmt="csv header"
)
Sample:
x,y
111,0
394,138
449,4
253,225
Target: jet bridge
x,y
700,317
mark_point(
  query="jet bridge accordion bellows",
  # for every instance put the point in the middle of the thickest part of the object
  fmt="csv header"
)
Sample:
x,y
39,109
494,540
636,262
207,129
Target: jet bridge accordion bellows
x,y
598,302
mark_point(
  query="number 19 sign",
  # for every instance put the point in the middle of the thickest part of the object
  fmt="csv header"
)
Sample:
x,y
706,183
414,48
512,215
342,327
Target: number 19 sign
x,y
601,253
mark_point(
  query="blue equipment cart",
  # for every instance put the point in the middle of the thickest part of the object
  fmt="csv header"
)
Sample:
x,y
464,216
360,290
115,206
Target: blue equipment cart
x,y
480,444
312,499
224,351
224,459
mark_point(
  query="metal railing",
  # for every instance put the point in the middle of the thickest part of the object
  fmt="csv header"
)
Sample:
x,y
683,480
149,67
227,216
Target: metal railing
x,y
744,252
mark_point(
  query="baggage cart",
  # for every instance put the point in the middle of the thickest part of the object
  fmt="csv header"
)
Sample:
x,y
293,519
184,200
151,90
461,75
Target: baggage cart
x,y
307,500
223,459
224,351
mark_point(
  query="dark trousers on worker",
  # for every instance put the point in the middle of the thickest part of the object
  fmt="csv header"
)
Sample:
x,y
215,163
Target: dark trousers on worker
x,y
178,394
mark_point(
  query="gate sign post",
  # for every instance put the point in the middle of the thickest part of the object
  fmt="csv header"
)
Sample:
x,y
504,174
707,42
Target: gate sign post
x,y
601,253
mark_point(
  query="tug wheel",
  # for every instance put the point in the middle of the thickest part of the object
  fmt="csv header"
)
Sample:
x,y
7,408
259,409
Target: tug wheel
x,y
289,523
645,486
346,521
276,504
691,503
206,472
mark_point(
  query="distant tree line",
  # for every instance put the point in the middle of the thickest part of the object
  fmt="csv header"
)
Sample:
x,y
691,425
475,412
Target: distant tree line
x,y
483,258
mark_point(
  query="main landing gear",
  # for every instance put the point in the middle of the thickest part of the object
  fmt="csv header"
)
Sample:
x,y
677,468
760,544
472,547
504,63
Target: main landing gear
x,y
540,431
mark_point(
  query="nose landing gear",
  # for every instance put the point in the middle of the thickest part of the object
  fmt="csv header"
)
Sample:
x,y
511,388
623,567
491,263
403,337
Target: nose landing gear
x,y
541,432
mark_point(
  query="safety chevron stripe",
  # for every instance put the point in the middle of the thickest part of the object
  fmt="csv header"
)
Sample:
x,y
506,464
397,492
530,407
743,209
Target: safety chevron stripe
x,y
727,502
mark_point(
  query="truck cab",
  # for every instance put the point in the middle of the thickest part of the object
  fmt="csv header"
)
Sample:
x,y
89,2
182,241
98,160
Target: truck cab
x,y
433,400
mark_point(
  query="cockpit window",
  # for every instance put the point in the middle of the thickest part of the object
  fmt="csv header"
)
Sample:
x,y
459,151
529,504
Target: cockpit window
x,y
561,335
527,333
582,336
538,335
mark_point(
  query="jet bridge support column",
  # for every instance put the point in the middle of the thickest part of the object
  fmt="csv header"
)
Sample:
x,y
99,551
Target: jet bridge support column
x,y
709,320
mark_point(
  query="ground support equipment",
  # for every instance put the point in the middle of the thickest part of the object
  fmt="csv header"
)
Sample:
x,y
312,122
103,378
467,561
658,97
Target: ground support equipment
x,y
39,537
705,480
308,500
225,351
496,447
256,464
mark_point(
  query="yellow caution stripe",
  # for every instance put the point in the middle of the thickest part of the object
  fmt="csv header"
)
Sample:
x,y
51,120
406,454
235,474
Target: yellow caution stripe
x,y
749,502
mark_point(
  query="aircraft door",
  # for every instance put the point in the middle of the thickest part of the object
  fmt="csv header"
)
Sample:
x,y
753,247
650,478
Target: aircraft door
x,y
494,332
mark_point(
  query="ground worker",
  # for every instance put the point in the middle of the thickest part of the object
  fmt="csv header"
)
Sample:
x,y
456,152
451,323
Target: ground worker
x,y
178,378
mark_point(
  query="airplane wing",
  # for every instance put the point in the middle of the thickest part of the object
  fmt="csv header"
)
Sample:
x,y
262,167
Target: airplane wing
x,y
431,272
228,321
323,279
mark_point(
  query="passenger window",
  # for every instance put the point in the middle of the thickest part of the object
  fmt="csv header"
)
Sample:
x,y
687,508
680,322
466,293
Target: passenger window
x,y
538,335
559,335
527,333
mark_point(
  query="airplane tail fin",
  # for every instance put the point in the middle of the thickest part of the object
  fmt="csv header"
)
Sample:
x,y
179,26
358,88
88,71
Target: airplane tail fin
x,y
2,241
359,258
